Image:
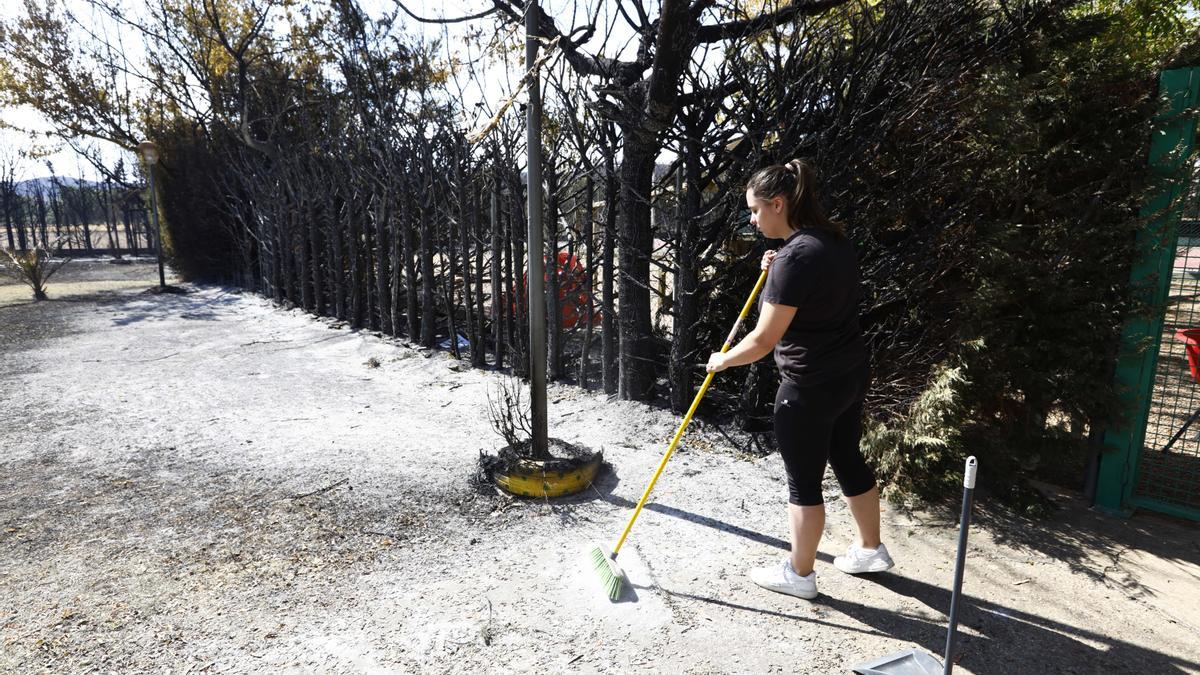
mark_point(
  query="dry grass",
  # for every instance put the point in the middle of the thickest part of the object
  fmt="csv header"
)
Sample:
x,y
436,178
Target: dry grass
x,y
85,277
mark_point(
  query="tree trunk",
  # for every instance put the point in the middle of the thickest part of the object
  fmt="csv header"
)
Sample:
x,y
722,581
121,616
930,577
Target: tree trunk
x,y
428,309
276,279
367,252
302,259
466,226
315,247
647,111
110,222
85,217
518,327
450,270
479,350
287,247
355,272
687,305
130,236
87,232
10,203
498,310
608,325
553,301
8,227
8,197
40,203
590,272
636,362
337,267
410,273
394,227
466,235
381,252
57,210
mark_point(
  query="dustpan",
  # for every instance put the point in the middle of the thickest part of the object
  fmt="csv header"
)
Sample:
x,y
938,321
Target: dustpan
x,y
908,662
915,661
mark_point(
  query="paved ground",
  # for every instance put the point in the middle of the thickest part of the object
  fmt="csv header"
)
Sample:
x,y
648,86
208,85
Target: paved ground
x,y
205,483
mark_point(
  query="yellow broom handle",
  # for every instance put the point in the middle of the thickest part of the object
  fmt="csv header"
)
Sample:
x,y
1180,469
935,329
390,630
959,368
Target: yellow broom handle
x,y
762,278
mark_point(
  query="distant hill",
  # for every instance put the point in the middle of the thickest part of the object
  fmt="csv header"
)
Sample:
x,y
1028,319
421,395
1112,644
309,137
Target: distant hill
x,y
27,187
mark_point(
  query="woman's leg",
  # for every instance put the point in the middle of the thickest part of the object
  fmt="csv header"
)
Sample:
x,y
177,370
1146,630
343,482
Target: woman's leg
x,y
803,429
807,526
804,425
853,473
855,476
865,509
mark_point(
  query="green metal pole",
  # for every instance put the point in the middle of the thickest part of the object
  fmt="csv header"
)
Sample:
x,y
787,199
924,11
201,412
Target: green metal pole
x,y
1174,137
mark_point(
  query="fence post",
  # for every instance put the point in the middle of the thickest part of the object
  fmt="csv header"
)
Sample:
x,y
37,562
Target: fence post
x,y
1171,146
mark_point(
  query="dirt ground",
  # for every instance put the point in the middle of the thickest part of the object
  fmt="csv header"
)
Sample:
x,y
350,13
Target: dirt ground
x,y
208,483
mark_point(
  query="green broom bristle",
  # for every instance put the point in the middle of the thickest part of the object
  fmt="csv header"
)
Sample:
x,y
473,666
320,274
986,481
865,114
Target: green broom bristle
x,y
606,568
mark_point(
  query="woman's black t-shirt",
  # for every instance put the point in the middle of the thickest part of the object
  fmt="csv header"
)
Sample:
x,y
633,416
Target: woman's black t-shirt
x,y
816,271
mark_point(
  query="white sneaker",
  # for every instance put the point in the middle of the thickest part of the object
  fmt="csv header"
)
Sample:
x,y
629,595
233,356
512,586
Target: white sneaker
x,y
859,560
783,578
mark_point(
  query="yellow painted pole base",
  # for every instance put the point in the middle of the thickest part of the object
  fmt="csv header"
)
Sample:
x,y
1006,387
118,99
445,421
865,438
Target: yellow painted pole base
x,y
529,478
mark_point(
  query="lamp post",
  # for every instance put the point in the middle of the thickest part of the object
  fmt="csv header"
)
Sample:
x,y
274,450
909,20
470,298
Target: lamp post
x,y
149,153
537,282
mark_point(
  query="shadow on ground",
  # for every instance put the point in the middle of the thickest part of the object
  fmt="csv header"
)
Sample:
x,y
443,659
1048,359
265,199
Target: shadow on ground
x,y
1008,640
1075,532
1000,639
158,306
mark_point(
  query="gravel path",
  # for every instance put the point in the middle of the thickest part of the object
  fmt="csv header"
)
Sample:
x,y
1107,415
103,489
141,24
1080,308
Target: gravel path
x,y
207,483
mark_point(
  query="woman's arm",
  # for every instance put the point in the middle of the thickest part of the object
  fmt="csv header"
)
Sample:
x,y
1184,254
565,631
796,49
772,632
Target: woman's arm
x,y
772,324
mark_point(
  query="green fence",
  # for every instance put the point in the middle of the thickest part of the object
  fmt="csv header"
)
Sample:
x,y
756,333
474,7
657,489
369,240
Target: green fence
x,y
1153,460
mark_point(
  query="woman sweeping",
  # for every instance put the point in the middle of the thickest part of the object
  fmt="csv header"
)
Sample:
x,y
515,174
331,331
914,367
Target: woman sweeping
x,y
809,317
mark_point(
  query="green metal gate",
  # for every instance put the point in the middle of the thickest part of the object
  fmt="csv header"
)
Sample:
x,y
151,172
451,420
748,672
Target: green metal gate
x,y
1153,461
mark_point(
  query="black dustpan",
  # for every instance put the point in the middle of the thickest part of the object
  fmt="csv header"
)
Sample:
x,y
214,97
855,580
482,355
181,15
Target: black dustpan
x,y
914,661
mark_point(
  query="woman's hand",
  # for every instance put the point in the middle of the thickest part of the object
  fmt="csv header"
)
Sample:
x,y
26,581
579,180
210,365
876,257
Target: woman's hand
x,y
767,258
716,363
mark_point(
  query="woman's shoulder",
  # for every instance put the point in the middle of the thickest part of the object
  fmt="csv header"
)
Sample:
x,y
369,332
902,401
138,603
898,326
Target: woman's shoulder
x,y
801,245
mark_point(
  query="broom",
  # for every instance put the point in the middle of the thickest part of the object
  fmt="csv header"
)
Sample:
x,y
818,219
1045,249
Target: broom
x,y
604,559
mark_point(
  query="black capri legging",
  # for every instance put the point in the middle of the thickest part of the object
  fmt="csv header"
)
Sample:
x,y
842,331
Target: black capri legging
x,y
818,424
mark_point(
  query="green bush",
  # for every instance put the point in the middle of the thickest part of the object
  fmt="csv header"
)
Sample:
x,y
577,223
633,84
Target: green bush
x,y
1057,142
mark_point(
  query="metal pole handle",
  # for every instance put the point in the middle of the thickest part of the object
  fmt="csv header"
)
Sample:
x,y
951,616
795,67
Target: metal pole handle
x,y
964,524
